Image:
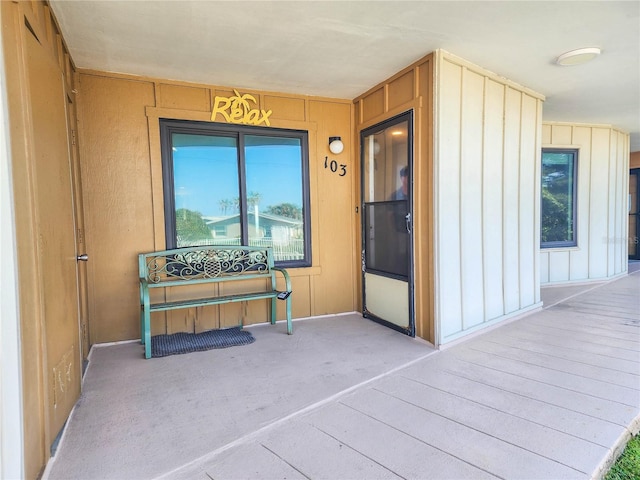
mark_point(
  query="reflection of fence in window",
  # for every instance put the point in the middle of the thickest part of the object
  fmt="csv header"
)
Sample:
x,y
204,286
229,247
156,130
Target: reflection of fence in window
x,y
292,250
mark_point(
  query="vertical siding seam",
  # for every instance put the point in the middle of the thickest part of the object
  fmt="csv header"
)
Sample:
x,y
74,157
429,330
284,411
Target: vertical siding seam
x,y
575,206
608,203
154,220
588,216
385,97
463,70
625,186
613,157
623,200
482,180
435,197
537,198
502,223
520,201
615,211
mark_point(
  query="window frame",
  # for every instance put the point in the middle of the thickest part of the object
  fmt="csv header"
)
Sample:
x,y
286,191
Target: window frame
x,y
191,127
575,152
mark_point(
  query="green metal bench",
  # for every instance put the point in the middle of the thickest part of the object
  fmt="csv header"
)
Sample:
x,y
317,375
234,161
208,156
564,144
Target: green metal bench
x,y
208,265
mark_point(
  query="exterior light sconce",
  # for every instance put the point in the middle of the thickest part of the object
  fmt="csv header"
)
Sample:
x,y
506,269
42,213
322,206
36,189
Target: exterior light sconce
x,y
335,145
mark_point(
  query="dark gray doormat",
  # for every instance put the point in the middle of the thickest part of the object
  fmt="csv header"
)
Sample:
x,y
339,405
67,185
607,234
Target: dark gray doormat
x,y
177,343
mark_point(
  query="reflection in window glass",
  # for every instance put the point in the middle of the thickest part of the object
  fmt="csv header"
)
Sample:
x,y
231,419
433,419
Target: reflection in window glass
x,y
205,172
557,225
274,194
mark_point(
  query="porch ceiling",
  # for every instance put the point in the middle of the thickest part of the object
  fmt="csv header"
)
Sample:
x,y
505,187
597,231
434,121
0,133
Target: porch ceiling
x,y
342,48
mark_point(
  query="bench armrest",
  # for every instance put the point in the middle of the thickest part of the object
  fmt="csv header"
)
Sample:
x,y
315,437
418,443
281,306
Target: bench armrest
x,y
285,274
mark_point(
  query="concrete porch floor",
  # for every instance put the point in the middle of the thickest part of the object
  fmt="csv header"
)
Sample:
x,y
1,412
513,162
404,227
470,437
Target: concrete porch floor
x,y
552,395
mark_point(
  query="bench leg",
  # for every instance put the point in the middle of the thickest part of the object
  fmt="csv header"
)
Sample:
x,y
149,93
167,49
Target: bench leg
x,y
289,325
273,311
147,334
274,316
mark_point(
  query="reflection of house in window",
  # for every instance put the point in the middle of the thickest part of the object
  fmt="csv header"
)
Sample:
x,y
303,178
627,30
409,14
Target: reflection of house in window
x,y
284,234
219,231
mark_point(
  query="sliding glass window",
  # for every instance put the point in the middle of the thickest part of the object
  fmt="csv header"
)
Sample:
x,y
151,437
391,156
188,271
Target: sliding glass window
x,y
237,185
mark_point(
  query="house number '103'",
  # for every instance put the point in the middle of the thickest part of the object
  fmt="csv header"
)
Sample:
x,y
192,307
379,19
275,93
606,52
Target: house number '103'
x,y
335,167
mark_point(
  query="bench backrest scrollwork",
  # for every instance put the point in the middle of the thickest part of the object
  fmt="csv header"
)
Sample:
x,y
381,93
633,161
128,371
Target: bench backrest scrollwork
x,y
204,264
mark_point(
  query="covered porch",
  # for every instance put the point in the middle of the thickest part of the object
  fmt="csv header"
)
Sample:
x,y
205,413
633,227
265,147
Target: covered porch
x,y
553,394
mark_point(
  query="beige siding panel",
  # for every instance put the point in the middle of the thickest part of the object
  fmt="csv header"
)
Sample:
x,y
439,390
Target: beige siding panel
x,y
546,134
114,144
337,249
511,215
183,97
598,208
601,201
373,105
285,108
613,202
544,266
410,89
492,199
125,200
622,230
620,205
401,90
302,297
488,140
31,332
448,201
561,135
33,85
528,199
579,261
471,219
537,204
558,265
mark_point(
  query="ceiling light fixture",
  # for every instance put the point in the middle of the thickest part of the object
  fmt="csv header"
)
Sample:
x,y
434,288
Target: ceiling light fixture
x,y
578,57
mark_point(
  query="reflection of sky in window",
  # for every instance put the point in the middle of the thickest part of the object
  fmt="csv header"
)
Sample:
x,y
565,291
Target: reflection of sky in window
x,y
206,174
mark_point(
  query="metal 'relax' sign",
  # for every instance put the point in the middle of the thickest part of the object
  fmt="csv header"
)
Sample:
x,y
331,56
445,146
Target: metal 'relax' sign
x,y
237,109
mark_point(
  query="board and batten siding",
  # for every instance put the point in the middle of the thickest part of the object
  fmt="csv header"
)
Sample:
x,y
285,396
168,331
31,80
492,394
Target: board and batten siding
x,y
487,188
602,220
119,138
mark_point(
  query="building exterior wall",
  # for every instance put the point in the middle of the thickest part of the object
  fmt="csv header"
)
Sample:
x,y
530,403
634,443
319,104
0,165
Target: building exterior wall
x,y
603,173
486,168
11,434
123,193
410,89
31,42
634,160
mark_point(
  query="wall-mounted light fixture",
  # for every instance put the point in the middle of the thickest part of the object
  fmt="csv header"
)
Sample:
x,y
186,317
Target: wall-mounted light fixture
x,y
335,145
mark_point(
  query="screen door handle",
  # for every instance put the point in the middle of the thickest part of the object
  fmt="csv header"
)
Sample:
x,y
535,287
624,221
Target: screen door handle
x,y
407,220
